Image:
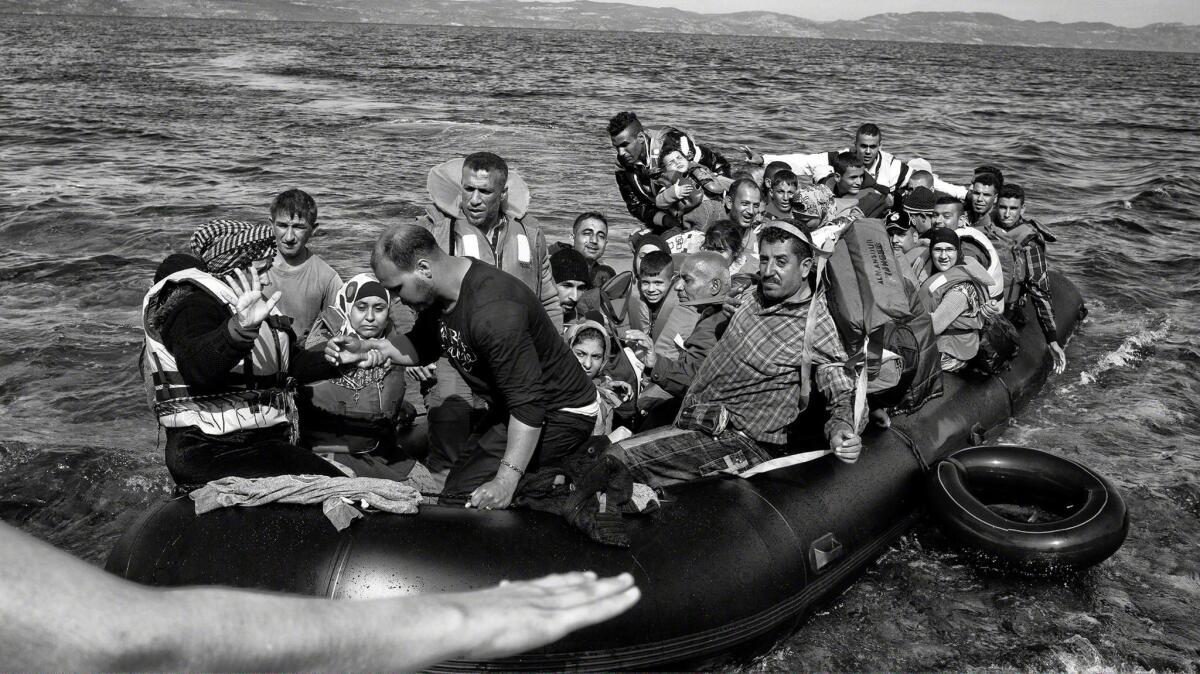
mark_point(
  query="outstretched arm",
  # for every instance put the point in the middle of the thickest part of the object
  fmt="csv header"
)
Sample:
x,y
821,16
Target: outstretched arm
x,y
59,613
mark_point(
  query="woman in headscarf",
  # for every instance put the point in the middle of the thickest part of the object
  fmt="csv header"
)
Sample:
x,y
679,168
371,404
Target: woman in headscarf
x,y
358,412
602,358
217,357
956,296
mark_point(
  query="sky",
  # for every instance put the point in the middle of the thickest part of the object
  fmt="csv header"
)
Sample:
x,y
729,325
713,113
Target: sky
x,y
1133,13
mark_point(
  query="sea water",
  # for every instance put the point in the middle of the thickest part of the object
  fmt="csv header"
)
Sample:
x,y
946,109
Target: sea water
x,y
118,136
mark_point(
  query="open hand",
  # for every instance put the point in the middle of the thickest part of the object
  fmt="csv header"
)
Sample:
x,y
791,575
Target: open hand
x,y
846,445
518,616
252,307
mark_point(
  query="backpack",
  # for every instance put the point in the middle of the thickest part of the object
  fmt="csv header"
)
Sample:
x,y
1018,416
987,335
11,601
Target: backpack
x,y
876,310
999,344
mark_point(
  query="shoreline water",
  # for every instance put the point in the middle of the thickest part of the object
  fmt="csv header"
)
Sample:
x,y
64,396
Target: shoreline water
x,y
117,143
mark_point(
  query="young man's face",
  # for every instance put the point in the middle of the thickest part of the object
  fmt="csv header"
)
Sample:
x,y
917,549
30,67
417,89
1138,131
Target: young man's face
x,y
568,294
867,148
291,235
983,197
482,195
629,145
368,316
783,272
591,239
948,215
1010,210
851,181
654,287
744,207
781,195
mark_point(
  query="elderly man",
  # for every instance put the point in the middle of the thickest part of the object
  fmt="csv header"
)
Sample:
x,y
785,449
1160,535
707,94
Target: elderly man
x,y
541,404
479,211
703,284
756,380
639,152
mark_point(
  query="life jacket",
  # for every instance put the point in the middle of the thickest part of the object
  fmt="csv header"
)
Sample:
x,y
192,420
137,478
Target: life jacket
x,y
355,412
1011,245
889,171
961,338
259,399
876,311
519,246
995,268
659,141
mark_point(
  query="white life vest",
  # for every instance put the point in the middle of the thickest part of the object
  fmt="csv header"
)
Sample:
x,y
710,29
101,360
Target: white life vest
x,y
994,269
258,400
889,171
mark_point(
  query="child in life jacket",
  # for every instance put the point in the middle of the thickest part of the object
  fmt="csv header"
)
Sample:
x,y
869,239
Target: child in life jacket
x,y
600,356
692,193
358,412
956,296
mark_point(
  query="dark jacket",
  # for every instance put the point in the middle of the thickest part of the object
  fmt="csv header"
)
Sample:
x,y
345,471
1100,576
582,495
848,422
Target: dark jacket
x,y
675,375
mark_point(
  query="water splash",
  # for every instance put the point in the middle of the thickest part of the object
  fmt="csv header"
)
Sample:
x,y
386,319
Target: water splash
x,y
1129,353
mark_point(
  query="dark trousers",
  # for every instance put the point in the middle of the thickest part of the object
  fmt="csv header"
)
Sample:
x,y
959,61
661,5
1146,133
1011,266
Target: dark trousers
x,y
195,458
563,433
452,412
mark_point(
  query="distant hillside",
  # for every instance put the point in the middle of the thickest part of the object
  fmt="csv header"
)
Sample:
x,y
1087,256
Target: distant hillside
x,y
956,27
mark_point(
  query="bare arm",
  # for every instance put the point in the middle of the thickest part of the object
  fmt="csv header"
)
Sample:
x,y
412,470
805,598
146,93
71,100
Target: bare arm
x,y
58,613
499,491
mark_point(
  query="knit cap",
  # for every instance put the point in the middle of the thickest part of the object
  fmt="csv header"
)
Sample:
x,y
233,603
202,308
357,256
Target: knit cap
x,y
920,200
569,264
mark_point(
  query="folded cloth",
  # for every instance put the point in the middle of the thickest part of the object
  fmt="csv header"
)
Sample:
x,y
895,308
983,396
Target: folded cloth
x,y
335,494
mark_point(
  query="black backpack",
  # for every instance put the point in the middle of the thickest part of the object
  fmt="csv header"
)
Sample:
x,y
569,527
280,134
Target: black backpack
x,y
999,344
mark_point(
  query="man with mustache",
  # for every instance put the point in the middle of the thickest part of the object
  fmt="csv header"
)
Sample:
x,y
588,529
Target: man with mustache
x,y
756,379
479,211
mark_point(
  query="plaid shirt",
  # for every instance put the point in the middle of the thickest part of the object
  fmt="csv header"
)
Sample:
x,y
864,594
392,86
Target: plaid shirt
x,y
1037,281
754,370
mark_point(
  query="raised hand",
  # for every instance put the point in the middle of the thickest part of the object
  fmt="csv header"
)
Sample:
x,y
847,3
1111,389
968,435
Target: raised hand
x,y
252,307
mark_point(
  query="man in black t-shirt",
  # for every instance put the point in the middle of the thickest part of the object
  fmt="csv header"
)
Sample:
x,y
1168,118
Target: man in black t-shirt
x,y
541,404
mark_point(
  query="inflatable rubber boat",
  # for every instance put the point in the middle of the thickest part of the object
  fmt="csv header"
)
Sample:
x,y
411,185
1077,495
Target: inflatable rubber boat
x,y
725,563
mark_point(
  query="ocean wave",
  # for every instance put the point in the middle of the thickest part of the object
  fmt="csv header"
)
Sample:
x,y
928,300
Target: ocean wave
x,y
1131,351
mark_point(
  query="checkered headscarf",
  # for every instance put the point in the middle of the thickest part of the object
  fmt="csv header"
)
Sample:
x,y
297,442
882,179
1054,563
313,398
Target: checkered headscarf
x,y
225,245
813,201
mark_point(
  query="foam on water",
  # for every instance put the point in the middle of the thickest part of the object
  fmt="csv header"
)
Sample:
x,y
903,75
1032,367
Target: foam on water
x,y
1129,353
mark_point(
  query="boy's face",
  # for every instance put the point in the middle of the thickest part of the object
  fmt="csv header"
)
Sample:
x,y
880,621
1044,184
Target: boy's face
x,y
654,287
291,235
851,181
781,195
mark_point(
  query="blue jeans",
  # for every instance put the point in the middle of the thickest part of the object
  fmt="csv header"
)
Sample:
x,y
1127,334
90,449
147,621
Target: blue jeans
x,y
672,455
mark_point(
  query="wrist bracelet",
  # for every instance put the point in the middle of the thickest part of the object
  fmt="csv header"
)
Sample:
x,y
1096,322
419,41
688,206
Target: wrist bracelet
x,y
512,467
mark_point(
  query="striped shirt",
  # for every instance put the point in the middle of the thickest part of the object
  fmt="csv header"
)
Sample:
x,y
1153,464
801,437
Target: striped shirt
x,y
754,371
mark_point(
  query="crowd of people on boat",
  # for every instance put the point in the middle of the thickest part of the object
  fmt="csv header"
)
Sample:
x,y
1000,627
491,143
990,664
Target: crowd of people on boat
x,y
866,275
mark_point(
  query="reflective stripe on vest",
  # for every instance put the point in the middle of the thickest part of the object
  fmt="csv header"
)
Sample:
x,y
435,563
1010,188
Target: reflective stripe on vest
x,y
995,268
961,338
258,400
